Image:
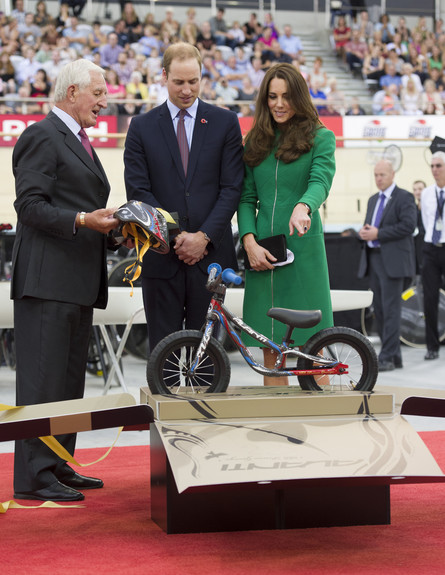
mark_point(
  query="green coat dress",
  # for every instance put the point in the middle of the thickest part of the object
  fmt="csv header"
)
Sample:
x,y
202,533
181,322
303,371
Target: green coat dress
x,y
270,193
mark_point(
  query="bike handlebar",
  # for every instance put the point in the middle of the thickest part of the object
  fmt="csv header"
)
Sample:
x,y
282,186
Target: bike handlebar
x,y
229,276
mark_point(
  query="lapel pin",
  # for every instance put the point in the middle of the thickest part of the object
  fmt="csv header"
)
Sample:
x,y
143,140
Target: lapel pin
x,y
203,121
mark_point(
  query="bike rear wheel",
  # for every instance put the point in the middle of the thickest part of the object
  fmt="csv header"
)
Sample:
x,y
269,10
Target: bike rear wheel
x,y
168,368
347,346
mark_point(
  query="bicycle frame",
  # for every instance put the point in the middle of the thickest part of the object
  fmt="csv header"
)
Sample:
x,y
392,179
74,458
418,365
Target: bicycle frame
x,y
219,314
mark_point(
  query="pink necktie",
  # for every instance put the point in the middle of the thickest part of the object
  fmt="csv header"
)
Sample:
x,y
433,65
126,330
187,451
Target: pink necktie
x,y
86,142
182,140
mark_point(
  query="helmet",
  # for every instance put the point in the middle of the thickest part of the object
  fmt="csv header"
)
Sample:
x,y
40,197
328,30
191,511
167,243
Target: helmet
x,y
144,224
147,226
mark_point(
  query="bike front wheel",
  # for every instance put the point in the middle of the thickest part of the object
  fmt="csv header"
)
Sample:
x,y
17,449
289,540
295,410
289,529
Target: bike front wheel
x,y
169,365
347,346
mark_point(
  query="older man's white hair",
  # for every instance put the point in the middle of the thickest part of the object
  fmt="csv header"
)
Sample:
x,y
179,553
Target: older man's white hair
x,y
439,156
74,73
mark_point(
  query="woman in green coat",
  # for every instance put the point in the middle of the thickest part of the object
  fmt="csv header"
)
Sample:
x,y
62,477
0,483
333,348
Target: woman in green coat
x,y
290,165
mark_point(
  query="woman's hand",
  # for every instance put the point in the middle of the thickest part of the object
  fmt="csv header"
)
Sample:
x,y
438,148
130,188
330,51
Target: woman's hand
x,y
260,259
300,220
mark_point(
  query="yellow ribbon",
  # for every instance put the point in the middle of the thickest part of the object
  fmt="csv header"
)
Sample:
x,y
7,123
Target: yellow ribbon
x,y
59,450
11,504
4,407
408,294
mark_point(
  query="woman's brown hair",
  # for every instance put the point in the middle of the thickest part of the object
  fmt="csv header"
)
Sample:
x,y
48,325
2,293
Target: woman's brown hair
x,y
297,137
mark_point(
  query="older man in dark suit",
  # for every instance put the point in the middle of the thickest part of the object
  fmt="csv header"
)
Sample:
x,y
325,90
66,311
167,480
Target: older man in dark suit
x,y
388,257
59,268
185,156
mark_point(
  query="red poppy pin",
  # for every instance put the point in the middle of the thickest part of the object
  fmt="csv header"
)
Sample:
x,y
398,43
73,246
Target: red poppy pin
x,y
203,121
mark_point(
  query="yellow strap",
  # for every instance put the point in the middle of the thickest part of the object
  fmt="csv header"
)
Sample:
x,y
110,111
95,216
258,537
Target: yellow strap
x,y
167,216
140,253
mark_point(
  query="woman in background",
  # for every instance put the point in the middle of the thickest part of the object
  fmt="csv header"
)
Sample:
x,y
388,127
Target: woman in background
x,y
290,165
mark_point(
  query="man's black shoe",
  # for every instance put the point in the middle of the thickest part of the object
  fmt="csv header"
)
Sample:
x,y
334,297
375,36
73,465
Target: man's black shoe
x,y
55,492
431,354
386,366
398,363
77,481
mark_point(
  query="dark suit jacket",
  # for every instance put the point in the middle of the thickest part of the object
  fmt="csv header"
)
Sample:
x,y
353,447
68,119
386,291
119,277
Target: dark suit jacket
x,y
55,179
397,225
207,199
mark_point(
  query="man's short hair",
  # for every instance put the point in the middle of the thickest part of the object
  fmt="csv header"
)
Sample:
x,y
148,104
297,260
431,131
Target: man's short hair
x,y
75,73
180,51
439,156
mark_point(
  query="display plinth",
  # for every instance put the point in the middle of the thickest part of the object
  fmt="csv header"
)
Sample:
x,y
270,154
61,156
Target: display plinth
x,y
266,505
280,472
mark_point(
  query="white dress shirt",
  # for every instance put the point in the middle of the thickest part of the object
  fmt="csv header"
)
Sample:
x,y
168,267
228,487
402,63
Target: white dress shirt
x,y
189,119
428,204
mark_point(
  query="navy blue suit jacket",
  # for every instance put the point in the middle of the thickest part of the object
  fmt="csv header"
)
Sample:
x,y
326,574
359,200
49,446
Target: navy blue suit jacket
x,y
396,230
207,198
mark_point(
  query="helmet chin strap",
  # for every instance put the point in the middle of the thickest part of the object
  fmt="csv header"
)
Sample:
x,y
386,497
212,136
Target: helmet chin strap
x,y
131,230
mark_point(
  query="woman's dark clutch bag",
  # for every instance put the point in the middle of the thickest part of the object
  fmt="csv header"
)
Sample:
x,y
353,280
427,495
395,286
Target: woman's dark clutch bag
x,y
276,245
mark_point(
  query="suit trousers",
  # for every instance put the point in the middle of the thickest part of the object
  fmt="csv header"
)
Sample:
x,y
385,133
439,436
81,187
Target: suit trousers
x,y
180,302
52,340
433,271
387,306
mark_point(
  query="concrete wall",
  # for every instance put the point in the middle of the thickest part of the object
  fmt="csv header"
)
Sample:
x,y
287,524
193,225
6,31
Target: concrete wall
x,y
346,206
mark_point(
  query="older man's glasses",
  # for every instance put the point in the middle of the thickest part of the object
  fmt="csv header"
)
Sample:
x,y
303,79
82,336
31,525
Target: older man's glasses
x,y
437,165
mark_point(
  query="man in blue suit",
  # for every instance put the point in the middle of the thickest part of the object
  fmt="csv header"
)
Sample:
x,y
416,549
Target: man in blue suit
x,y
201,183
388,257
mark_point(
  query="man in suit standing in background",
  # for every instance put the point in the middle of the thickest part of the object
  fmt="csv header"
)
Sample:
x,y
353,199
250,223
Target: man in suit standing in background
x,y
59,269
185,156
388,257
433,254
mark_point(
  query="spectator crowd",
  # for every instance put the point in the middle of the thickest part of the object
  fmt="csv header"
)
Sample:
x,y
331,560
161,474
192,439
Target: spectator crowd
x,y
403,67
35,46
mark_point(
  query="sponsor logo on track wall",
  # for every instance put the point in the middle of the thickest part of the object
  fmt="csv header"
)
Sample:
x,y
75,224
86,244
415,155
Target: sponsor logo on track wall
x,y
14,124
406,130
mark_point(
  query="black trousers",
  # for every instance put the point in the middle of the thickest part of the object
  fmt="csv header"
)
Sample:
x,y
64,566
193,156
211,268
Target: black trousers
x,y
387,306
433,270
180,302
51,341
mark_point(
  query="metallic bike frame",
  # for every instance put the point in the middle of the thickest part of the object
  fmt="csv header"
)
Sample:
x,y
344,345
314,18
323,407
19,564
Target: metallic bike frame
x,y
218,313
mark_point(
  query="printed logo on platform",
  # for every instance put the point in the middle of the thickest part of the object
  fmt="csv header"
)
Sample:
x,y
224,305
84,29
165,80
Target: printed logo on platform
x,y
374,129
420,129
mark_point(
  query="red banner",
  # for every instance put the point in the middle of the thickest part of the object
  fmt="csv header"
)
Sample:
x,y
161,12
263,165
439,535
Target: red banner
x,y
334,123
13,125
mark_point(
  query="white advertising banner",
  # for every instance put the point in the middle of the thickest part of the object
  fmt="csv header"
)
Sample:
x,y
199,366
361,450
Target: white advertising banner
x,y
401,130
